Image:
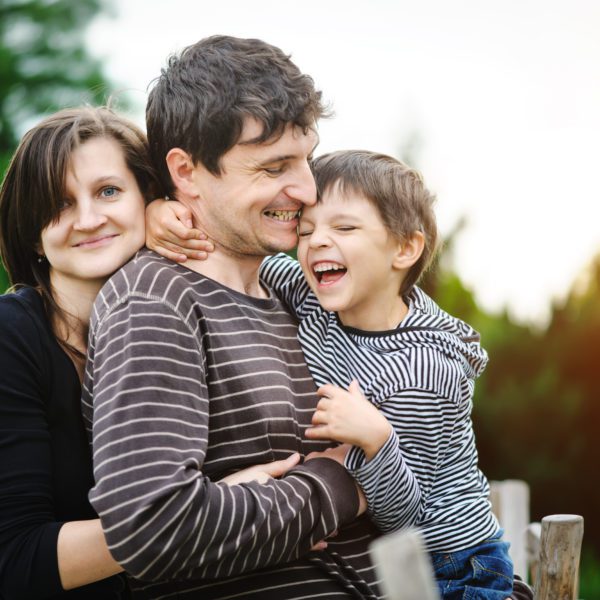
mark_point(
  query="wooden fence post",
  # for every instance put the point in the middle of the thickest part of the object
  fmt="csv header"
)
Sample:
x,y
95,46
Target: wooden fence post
x,y
510,503
532,547
560,550
403,566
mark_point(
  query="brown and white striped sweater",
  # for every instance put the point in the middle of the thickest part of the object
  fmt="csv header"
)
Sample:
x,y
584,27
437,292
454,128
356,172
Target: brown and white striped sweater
x,y
187,381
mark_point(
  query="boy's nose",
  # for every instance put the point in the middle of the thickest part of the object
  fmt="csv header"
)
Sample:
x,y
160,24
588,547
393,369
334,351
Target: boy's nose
x,y
319,239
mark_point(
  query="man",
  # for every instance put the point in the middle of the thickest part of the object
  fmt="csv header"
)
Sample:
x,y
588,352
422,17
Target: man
x,y
195,371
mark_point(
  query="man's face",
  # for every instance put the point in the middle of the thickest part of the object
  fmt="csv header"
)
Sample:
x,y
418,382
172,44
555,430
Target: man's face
x,y
252,207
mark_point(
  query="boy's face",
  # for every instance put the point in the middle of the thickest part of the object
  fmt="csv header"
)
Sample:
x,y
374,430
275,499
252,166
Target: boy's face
x,y
349,259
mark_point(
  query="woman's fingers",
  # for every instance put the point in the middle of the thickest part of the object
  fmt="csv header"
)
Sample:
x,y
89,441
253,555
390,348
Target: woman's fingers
x,y
280,467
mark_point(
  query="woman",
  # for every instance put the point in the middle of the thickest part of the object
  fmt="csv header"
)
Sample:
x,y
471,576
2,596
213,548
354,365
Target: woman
x,y
71,213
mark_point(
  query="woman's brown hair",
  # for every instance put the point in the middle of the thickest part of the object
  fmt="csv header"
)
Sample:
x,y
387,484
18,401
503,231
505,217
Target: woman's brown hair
x,y
33,190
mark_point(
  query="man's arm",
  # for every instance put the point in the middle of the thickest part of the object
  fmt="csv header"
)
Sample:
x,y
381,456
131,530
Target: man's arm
x,y
162,517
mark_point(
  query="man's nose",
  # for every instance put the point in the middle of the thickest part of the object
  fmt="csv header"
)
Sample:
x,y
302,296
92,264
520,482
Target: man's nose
x,y
303,187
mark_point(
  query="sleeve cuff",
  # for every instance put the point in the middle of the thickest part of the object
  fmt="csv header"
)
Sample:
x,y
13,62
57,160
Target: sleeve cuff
x,y
342,486
357,464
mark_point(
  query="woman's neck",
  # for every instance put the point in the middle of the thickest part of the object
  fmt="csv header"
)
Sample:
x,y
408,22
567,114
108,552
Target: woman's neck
x,y
75,299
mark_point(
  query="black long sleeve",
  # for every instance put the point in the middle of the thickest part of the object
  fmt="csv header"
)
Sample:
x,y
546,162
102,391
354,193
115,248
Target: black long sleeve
x,y
46,465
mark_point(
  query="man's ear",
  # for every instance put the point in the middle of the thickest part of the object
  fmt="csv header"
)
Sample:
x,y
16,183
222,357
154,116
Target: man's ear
x,y
409,251
181,169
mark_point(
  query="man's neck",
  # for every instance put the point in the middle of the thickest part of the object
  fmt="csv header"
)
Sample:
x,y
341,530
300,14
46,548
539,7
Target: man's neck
x,y
240,273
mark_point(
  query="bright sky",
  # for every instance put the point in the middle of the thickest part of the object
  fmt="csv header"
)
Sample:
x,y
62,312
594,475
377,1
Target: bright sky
x,y
499,99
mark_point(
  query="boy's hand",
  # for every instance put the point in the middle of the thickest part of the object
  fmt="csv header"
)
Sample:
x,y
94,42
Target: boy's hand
x,y
348,417
170,232
262,473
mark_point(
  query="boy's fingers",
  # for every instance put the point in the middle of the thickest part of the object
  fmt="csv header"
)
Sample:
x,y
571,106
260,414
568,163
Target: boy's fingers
x,y
183,213
354,387
175,229
323,404
326,390
319,417
175,257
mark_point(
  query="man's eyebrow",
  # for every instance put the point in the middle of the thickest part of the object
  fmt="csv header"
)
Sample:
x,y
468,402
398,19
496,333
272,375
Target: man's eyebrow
x,y
278,158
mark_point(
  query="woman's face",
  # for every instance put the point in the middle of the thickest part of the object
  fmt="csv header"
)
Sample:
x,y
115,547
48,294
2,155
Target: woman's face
x,y
101,225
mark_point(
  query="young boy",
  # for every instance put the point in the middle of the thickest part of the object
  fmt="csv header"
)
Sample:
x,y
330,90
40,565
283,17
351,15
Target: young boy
x,y
396,372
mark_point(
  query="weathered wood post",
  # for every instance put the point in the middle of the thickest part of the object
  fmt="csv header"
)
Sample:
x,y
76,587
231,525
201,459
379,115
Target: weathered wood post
x,y
532,547
403,566
560,550
510,503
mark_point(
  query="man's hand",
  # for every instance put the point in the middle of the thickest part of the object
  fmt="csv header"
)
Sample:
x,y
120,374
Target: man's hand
x,y
170,232
262,473
348,417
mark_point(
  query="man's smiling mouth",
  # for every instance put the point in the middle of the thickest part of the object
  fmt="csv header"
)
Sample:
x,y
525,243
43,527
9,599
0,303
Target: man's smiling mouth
x,y
282,215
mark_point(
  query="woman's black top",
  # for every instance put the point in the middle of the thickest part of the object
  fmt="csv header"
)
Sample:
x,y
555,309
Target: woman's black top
x,y
45,459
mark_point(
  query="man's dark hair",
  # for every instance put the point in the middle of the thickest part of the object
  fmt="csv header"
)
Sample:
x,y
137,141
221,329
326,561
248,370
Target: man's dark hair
x,y
202,97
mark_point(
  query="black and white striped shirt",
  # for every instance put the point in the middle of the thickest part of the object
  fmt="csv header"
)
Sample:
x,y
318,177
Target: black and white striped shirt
x,y
421,376
187,381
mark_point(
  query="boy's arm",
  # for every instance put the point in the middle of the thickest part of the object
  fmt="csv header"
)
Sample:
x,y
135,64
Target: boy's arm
x,y
398,479
162,517
396,448
284,276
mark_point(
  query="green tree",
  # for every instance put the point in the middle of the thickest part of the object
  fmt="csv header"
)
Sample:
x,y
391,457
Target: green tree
x,y
44,65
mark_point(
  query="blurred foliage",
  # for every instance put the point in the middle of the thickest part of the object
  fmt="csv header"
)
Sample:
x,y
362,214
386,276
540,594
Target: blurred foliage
x,y
44,66
589,575
536,411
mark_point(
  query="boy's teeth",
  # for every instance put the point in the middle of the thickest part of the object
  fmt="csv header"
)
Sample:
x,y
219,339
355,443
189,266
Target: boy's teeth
x,y
282,215
328,267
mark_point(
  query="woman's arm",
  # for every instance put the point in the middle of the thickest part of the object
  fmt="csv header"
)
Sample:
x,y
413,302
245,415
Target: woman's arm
x,y
40,554
83,555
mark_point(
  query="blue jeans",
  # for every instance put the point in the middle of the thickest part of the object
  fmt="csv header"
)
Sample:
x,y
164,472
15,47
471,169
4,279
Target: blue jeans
x,y
483,572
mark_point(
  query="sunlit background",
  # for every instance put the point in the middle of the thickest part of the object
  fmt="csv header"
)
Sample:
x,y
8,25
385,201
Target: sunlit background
x,y
497,103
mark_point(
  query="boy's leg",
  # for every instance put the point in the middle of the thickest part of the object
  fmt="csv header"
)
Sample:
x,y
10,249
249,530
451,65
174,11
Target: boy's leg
x,y
483,572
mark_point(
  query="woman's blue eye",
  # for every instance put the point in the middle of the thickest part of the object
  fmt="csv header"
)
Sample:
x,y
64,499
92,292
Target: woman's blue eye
x,y
109,192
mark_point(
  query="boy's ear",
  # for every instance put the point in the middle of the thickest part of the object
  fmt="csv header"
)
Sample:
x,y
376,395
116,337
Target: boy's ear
x,y
409,251
181,169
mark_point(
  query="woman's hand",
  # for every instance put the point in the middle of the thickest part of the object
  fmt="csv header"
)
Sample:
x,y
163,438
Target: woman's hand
x,y
262,473
170,232
338,453
348,417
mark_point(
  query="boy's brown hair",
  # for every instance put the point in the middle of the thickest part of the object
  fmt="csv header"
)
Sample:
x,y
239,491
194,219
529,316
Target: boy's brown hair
x,y
397,191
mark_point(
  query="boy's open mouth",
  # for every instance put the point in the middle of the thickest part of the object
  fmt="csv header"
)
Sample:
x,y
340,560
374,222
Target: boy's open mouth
x,y
282,215
329,272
